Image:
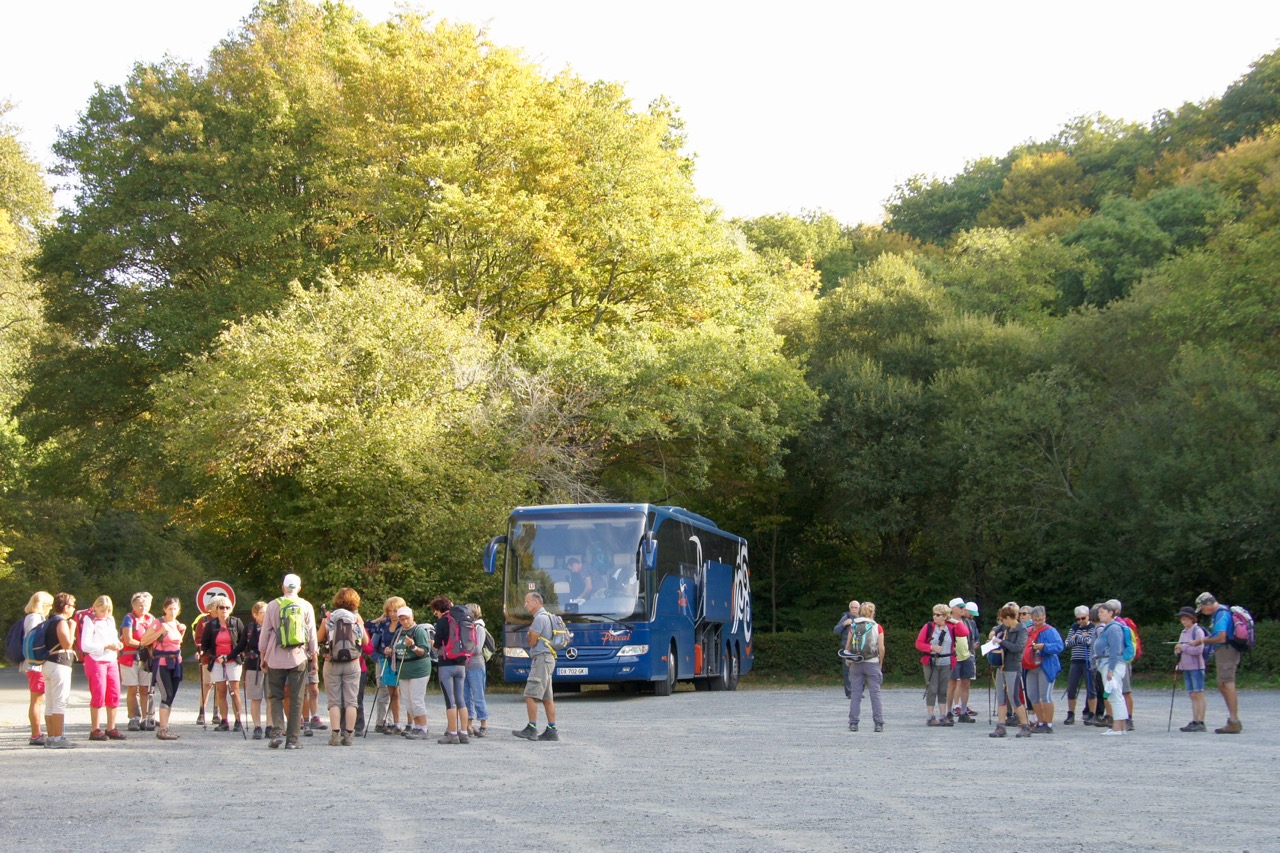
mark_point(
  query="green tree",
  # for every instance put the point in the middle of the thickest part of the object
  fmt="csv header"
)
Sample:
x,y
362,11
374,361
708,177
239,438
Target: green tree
x,y
931,210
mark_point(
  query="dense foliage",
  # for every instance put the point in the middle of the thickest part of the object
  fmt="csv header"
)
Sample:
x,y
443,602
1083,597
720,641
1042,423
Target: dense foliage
x,y
336,299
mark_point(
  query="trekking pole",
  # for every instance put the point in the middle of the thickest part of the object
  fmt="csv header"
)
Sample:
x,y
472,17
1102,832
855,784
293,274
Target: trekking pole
x,y
1173,695
376,692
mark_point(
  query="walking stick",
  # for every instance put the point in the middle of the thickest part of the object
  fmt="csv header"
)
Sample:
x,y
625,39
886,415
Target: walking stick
x,y
1172,696
377,691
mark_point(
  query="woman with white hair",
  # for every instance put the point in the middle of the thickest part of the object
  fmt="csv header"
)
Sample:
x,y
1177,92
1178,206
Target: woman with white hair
x,y
222,642
1079,640
135,663
937,642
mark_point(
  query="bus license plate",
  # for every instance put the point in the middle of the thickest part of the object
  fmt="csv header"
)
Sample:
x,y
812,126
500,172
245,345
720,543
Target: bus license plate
x,y
571,670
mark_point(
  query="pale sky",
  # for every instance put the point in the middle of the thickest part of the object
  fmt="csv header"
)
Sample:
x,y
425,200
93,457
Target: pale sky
x,y
788,106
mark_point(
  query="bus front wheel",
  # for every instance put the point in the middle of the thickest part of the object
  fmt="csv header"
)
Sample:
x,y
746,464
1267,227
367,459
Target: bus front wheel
x,y
668,685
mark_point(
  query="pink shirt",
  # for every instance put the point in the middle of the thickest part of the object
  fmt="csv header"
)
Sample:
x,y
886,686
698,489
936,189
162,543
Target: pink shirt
x,y
171,639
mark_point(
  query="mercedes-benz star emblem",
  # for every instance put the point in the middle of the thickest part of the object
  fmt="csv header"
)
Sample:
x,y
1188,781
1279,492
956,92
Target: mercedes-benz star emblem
x,y
571,654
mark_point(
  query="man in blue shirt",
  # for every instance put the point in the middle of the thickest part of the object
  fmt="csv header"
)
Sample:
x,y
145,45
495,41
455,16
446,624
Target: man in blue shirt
x,y
1226,658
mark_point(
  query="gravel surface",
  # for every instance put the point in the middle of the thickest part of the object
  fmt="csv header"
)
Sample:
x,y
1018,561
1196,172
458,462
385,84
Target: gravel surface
x,y
758,769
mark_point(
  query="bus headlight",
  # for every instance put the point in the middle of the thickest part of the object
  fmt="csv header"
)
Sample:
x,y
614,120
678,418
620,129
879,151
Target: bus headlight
x,y
633,650
515,653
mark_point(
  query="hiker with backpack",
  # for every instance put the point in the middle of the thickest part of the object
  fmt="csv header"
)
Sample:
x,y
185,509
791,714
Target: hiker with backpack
x,y
51,644
222,645
411,653
1133,651
1109,654
455,640
135,663
864,659
37,610
287,645
1190,662
100,644
1226,657
1011,635
343,632
937,641
477,677
966,665
542,664
165,640
842,631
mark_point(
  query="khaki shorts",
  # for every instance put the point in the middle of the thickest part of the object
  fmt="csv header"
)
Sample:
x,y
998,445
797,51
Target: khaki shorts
x,y
342,682
1227,660
225,672
255,684
538,686
134,676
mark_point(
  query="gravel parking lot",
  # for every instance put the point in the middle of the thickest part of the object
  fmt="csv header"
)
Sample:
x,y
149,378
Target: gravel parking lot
x,y
753,770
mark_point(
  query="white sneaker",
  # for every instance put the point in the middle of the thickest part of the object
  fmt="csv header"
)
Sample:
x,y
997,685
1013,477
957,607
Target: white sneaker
x,y
1114,732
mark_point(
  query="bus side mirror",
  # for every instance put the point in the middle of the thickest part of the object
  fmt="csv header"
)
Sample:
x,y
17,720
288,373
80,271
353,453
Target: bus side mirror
x,y
649,550
490,558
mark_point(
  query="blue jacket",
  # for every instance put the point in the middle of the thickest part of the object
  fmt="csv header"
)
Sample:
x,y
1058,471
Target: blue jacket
x,y
1053,647
1108,646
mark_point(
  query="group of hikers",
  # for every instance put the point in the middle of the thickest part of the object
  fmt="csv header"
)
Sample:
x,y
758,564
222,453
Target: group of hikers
x,y
1024,650
277,658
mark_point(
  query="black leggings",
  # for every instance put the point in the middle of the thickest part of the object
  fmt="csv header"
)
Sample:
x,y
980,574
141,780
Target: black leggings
x,y
169,676
1079,671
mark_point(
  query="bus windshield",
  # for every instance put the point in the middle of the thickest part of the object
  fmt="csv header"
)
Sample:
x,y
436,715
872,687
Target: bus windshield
x,y
584,564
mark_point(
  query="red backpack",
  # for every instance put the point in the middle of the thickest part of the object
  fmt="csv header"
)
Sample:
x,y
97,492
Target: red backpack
x,y
77,619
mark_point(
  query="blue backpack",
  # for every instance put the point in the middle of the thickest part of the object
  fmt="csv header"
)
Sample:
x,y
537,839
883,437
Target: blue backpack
x,y
35,648
1130,650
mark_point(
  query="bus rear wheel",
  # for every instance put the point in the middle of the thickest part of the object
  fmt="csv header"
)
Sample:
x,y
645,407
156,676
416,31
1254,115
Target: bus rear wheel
x,y
722,679
668,685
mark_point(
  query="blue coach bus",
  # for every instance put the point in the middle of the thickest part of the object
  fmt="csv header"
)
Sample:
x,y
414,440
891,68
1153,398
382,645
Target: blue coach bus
x,y
653,595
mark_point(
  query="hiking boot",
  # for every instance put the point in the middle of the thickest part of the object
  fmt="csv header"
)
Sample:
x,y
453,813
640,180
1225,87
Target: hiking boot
x,y
216,718
1128,724
879,727
165,734
149,725
449,737
293,744
1070,720
318,724
414,733
529,732
999,731
97,734
257,732
1233,727
346,738
1193,726
134,725
380,729
276,742
933,722
306,730
1086,719
1103,722
483,731
393,730
966,717
947,721
38,740
221,726
114,734
200,719
60,742
463,737
1023,731
238,727
853,727
1011,720
335,739
549,734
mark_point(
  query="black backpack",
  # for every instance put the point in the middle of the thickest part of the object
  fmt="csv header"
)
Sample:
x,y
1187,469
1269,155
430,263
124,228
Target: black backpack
x,y
13,643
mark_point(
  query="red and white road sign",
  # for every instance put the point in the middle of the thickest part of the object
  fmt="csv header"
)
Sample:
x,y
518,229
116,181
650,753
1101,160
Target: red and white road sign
x,y
211,590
